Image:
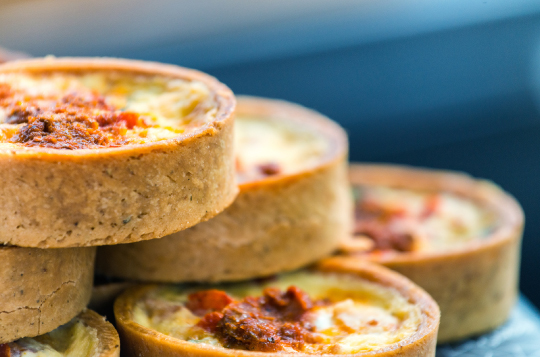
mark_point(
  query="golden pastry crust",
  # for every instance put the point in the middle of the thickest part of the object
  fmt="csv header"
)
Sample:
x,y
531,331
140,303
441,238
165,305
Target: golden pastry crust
x,y
475,284
42,289
277,223
141,341
64,198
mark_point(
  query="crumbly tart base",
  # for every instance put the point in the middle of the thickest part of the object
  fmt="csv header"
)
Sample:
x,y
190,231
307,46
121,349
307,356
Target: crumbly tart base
x,y
278,223
66,198
141,341
42,289
475,286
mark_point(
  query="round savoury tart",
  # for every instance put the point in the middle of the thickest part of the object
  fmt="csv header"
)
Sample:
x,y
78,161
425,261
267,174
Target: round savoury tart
x,y
457,237
340,307
42,289
107,151
87,335
292,210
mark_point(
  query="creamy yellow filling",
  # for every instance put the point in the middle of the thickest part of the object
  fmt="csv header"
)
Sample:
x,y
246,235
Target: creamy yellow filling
x,y
437,220
73,339
169,106
360,317
263,141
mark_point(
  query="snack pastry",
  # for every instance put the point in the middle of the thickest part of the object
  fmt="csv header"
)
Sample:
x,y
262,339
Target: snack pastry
x,y
42,288
341,306
293,208
107,151
87,335
455,236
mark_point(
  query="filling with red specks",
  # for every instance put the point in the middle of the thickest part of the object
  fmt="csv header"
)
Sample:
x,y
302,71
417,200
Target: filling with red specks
x,y
305,312
400,220
268,146
70,111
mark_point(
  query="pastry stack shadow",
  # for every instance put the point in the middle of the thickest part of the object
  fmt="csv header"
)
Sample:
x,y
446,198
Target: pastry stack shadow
x,y
227,226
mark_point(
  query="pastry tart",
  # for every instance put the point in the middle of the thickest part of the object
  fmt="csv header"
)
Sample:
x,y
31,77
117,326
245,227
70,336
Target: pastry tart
x,y
42,288
455,236
293,208
108,151
340,307
87,335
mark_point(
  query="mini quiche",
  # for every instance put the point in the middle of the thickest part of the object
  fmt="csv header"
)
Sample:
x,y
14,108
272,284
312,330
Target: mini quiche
x,y
42,289
294,205
339,307
87,335
108,151
457,237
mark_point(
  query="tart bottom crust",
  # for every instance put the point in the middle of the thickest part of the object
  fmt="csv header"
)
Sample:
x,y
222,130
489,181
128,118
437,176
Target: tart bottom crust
x,y
42,289
273,226
143,342
475,287
54,199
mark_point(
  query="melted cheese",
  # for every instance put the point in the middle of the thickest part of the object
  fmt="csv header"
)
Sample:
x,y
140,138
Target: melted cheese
x,y
73,339
169,107
452,222
360,317
263,141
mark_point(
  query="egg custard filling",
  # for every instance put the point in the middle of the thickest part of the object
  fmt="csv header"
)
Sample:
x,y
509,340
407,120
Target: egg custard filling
x,y
401,220
89,110
268,146
301,312
74,339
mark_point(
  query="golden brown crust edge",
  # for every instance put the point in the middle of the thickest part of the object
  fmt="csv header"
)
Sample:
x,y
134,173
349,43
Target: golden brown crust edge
x,y
475,287
118,195
140,341
42,289
276,224
109,341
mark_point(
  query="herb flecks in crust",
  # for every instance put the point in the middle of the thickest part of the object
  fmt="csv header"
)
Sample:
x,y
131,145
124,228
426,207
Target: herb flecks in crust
x,y
77,120
274,321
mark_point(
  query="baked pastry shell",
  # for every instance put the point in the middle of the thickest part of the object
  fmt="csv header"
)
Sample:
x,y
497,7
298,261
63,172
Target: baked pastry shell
x,y
475,285
277,223
64,198
42,289
140,341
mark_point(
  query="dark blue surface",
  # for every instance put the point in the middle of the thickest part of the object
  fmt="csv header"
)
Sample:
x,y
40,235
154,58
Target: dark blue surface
x,y
518,337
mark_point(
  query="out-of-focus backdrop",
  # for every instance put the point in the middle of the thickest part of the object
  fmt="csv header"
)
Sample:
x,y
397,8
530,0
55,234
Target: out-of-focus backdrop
x,y
451,84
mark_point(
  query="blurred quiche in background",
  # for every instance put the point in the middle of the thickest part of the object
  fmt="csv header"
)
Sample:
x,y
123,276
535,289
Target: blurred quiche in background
x,y
457,237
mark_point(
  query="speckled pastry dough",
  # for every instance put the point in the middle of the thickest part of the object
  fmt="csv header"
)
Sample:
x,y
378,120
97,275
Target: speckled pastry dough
x,y
87,335
42,289
457,237
293,208
342,307
106,151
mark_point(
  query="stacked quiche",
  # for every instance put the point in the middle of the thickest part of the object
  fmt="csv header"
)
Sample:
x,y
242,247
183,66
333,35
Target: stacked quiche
x,y
223,226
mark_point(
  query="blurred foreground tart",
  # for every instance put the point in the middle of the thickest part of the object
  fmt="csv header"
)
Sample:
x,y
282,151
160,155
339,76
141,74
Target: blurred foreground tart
x,y
455,236
87,335
42,289
293,208
340,307
107,151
